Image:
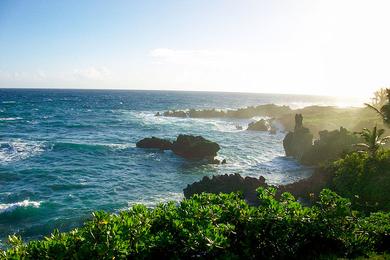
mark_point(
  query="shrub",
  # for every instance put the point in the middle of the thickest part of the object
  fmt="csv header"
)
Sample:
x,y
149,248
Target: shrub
x,y
364,179
218,226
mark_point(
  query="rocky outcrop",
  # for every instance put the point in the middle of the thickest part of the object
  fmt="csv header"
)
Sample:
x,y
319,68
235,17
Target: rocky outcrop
x,y
297,143
270,110
187,146
227,184
174,113
154,142
329,146
261,125
305,189
195,147
310,187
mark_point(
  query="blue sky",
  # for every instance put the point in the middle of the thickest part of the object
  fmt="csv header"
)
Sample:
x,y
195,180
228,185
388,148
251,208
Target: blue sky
x,y
276,46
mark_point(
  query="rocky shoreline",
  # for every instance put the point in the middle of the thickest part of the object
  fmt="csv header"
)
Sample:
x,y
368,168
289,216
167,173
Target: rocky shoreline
x,y
302,142
317,117
305,189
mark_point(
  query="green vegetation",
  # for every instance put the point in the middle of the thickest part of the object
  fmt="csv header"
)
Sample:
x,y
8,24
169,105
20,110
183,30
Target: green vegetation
x,y
365,179
381,105
373,140
219,226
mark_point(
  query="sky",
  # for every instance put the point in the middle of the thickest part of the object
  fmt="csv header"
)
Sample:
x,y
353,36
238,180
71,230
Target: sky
x,y
320,47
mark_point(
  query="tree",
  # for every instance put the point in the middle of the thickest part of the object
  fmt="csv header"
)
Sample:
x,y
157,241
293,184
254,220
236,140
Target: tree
x,y
380,98
384,110
373,140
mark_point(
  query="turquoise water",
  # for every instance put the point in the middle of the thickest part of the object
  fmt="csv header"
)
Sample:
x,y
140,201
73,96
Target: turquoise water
x,y
66,153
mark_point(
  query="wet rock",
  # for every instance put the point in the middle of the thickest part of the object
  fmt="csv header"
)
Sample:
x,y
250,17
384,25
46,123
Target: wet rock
x,y
261,125
195,147
217,161
175,114
154,142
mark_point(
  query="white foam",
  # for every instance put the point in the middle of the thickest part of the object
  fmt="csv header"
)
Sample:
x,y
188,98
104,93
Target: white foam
x,y
22,204
120,146
19,150
153,200
10,118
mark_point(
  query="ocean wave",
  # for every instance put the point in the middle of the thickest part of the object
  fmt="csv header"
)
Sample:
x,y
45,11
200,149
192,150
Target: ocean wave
x,y
10,118
9,102
97,147
22,204
218,124
19,150
152,201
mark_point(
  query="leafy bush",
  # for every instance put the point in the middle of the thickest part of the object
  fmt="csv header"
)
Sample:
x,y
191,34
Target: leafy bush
x,y
364,179
218,226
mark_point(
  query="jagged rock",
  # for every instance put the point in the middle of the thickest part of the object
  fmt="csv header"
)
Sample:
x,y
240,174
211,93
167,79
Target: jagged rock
x,y
175,114
187,146
298,121
261,125
270,110
298,142
308,188
330,146
227,184
154,142
217,161
195,147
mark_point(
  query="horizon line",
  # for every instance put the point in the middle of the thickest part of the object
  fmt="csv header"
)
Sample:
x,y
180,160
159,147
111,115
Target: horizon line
x,y
177,90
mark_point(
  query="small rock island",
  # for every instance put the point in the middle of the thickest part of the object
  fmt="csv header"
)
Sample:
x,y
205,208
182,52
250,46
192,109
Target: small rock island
x,y
187,146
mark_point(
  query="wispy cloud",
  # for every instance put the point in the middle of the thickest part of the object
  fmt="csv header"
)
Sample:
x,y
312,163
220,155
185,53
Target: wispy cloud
x,y
22,75
92,73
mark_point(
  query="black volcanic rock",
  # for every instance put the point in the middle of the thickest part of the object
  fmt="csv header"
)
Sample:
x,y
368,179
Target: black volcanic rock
x,y
297,143
330,146
270,110
227,184
195,147
154,142
307,189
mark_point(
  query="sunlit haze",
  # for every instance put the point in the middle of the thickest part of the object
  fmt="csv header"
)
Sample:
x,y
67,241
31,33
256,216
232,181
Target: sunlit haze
x,y
338,48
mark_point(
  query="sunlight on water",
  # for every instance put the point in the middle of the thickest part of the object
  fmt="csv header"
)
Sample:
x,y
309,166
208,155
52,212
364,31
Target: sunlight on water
x,y
64,154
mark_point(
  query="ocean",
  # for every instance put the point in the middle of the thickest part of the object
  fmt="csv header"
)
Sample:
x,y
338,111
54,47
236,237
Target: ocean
x,y
67,153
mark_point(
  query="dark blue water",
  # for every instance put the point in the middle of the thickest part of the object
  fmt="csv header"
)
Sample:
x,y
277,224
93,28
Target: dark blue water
x,y
66,153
